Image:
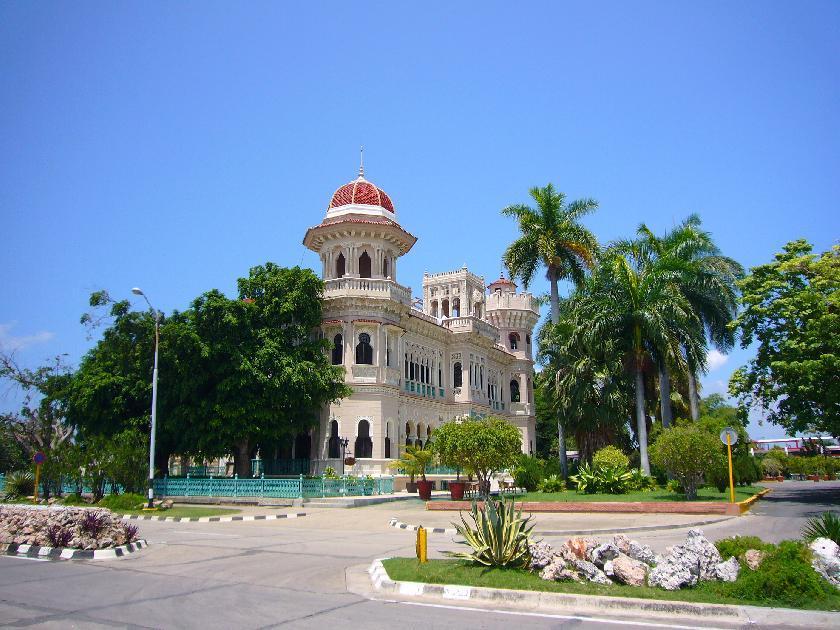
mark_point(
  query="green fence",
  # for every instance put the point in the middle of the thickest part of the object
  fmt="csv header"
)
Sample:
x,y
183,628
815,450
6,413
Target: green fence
x,y
289,488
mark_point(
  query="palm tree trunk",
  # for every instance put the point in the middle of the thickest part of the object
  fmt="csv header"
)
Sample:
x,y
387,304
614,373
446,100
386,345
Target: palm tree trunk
x,y
561,432
665,394
641,420
692,394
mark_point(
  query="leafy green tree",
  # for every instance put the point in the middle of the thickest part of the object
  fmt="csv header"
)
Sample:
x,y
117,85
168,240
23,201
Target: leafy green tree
x,y
482,445
708,281
261,374
687,453
582,382
552,237
638,309
792,311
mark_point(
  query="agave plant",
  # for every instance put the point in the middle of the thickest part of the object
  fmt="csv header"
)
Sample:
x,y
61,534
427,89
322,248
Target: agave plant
x,y
826,525
498,537
20,483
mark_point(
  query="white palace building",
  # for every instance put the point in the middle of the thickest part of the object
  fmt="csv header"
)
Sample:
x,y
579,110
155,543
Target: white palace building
x,y
467,352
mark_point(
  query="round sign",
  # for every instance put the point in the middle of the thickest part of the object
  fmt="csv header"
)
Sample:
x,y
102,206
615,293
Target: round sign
x,y
732,433
39,458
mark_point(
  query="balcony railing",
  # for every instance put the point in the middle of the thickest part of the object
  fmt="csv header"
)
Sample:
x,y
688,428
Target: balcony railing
x,y
471,324
367,287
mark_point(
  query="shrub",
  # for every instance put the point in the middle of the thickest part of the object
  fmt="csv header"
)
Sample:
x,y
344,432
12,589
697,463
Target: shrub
x,y
92,523
122,502
20,483
674,485
771,467
74,499
329,473
553,483
528,472
607,479
499,537
130,532
640,481
785,575
826,525
687,453
747,470
737,545
59,536
610,456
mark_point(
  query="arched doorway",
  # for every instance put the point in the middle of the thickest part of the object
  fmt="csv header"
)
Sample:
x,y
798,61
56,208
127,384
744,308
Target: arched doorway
x,y
340,266
364,265
514,391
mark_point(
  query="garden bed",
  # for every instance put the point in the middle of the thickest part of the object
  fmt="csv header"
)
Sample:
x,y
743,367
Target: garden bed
x,y
464,573
63,527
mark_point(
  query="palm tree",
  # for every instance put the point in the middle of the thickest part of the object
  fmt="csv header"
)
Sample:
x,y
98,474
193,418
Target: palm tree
x,y
638,306
708,281
551,237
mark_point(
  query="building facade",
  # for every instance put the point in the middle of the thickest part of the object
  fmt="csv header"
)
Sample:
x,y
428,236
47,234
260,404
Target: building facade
x,y
466,351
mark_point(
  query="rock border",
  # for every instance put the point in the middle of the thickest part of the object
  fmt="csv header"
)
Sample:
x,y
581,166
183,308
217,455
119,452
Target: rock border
x,y
211,519
66,553
587,606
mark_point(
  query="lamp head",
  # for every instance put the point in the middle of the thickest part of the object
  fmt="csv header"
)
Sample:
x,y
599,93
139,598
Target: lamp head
x,y
137,291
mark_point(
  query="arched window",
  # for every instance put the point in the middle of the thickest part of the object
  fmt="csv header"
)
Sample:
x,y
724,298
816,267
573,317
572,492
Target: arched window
x,y
406,365
388,441
385,273
363,448
364,265
428,433
340,266
418,443
338,350
364,351
440,375
528,339
334,448
457,378
434,308
444,308
514,391
411,373
456,307
514,341
477,309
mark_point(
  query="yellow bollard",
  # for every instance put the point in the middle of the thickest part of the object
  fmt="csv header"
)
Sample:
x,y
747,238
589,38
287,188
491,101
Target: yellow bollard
x,y
421,544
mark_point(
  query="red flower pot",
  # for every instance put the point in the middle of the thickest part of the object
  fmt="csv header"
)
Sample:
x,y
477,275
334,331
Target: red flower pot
x,y
456,490
424,489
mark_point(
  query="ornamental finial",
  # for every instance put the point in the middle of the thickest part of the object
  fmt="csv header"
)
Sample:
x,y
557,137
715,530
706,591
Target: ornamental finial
x,y
361,161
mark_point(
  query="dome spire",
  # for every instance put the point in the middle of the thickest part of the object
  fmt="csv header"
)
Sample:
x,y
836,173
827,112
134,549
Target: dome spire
x,y
362,161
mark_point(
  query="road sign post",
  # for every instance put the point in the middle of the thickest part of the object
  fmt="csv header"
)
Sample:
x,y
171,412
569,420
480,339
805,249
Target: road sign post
x,y
729,437
39,458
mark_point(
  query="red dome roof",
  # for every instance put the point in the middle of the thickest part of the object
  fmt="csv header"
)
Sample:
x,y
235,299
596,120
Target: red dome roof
x,y
361,191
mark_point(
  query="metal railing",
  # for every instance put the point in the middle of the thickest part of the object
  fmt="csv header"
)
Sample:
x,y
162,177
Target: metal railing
x,y
290,488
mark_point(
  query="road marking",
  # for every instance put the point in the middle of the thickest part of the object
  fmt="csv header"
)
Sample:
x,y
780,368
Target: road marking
x,y
619,622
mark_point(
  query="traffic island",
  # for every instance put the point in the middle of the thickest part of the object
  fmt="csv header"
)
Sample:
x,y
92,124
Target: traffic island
x,y
583,606
66,553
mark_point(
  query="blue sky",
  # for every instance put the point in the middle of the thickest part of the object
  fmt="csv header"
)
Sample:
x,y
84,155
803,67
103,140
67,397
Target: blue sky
x,y
174,145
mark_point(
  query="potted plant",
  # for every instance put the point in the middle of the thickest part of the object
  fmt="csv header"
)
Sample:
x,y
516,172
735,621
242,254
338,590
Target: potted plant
x,y
407,465
446,447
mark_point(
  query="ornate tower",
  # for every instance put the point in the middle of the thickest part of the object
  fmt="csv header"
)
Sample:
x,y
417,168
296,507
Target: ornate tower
x,y
515,315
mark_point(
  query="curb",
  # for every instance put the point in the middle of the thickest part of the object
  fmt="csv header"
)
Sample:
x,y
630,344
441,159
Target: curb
x,y
413,528
65,553
746,504
584,606
571,532
211,519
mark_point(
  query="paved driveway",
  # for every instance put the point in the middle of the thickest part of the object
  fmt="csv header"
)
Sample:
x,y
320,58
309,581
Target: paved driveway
x,y
279,573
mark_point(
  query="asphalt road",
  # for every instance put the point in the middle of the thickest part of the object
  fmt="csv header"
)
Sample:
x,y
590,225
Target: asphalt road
x,y
292,573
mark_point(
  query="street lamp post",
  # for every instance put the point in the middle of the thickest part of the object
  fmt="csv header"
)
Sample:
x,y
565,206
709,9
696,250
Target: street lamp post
x,y
344,442
137,291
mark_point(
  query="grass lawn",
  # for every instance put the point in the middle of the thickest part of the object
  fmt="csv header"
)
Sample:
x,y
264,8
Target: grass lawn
x,y
185,511
464,573
703,494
